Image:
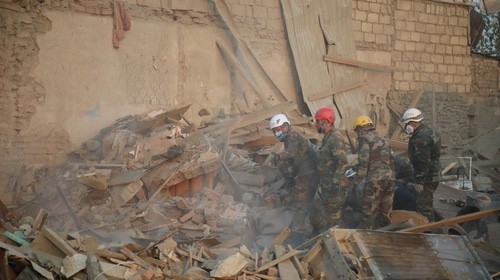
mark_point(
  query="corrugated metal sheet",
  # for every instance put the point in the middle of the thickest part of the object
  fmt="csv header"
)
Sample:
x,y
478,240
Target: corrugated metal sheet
x,y
392,255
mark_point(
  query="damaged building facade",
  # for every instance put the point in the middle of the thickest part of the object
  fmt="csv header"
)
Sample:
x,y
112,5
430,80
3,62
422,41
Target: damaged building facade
x,y
135,141
62,81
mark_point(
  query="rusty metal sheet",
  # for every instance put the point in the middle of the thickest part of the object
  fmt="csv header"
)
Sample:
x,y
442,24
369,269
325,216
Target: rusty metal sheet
x,y
391,255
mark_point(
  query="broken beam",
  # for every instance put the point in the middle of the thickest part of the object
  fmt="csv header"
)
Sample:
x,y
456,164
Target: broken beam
x,y
357,63
278,260
455,220
331,92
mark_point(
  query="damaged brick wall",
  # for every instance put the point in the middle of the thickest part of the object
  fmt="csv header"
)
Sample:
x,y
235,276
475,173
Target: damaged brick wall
x,y
428,42
20,93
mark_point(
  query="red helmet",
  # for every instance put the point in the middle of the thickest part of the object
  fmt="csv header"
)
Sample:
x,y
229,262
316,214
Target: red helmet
x,y
325,113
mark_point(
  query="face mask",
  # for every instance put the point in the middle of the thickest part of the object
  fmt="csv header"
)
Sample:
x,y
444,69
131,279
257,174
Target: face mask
x,y
280,135
320,128
409,129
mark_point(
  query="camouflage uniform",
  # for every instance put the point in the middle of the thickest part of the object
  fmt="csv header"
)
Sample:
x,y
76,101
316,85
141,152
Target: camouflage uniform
x,y
298,164
332,164
403,168
424,150
376,164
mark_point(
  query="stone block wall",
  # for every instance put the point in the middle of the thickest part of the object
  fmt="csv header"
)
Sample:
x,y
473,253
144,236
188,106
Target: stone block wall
x,y
373,24
485,77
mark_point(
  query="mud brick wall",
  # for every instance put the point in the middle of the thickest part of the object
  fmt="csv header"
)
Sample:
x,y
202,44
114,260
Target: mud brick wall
x,y
20,94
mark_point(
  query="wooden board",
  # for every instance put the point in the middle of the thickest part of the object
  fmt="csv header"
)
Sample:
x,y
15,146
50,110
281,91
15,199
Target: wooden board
x,y
286,268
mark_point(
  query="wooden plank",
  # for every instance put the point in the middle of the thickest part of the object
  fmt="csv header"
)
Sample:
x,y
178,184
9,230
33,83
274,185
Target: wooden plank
x,y
307,42
298,264
447,168
454,221
357,63
223,14
237,65
331,92
278,260
131,255
40,219
278,240
286,268
58,241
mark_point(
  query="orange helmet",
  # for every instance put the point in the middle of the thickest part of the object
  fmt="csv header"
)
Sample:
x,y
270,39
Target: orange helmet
x,y
325,113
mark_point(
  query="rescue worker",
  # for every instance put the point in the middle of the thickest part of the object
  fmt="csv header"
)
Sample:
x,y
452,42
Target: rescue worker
x,y
403,196
376,166
297,163
332,164
424,151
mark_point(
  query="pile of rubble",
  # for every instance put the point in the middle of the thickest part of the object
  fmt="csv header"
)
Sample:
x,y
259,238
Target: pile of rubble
x,y
151,197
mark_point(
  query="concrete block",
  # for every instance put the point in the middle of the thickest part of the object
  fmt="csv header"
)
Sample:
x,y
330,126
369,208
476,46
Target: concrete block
x,y
440,29
274,13
399,46
238,10
369,37
397,75
378,29
426,57
449,49
372,17
420,47
434,19
275,25
405,36
415,37
381,39
404,86
445,39
385,19
458,60
461,89
458,50
420,27
388,30
435,39
259,12
453,21
425,38
364,6
430,28
249,11
429,68
423,18
461,70
400,25
419,6
448,79
408,76
410,26
452,69
360,15
366,27
399,15
405,5
441,48
356,25
375,8
436,58
410,46
149,3
247,2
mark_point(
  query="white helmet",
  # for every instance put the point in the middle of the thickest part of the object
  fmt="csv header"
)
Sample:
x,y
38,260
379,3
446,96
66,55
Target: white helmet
x,y
412,115
278,120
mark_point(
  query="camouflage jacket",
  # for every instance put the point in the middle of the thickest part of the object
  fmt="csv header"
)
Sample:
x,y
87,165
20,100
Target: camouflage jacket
x,y
375,161
299,157
332,160
403,168
424,150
